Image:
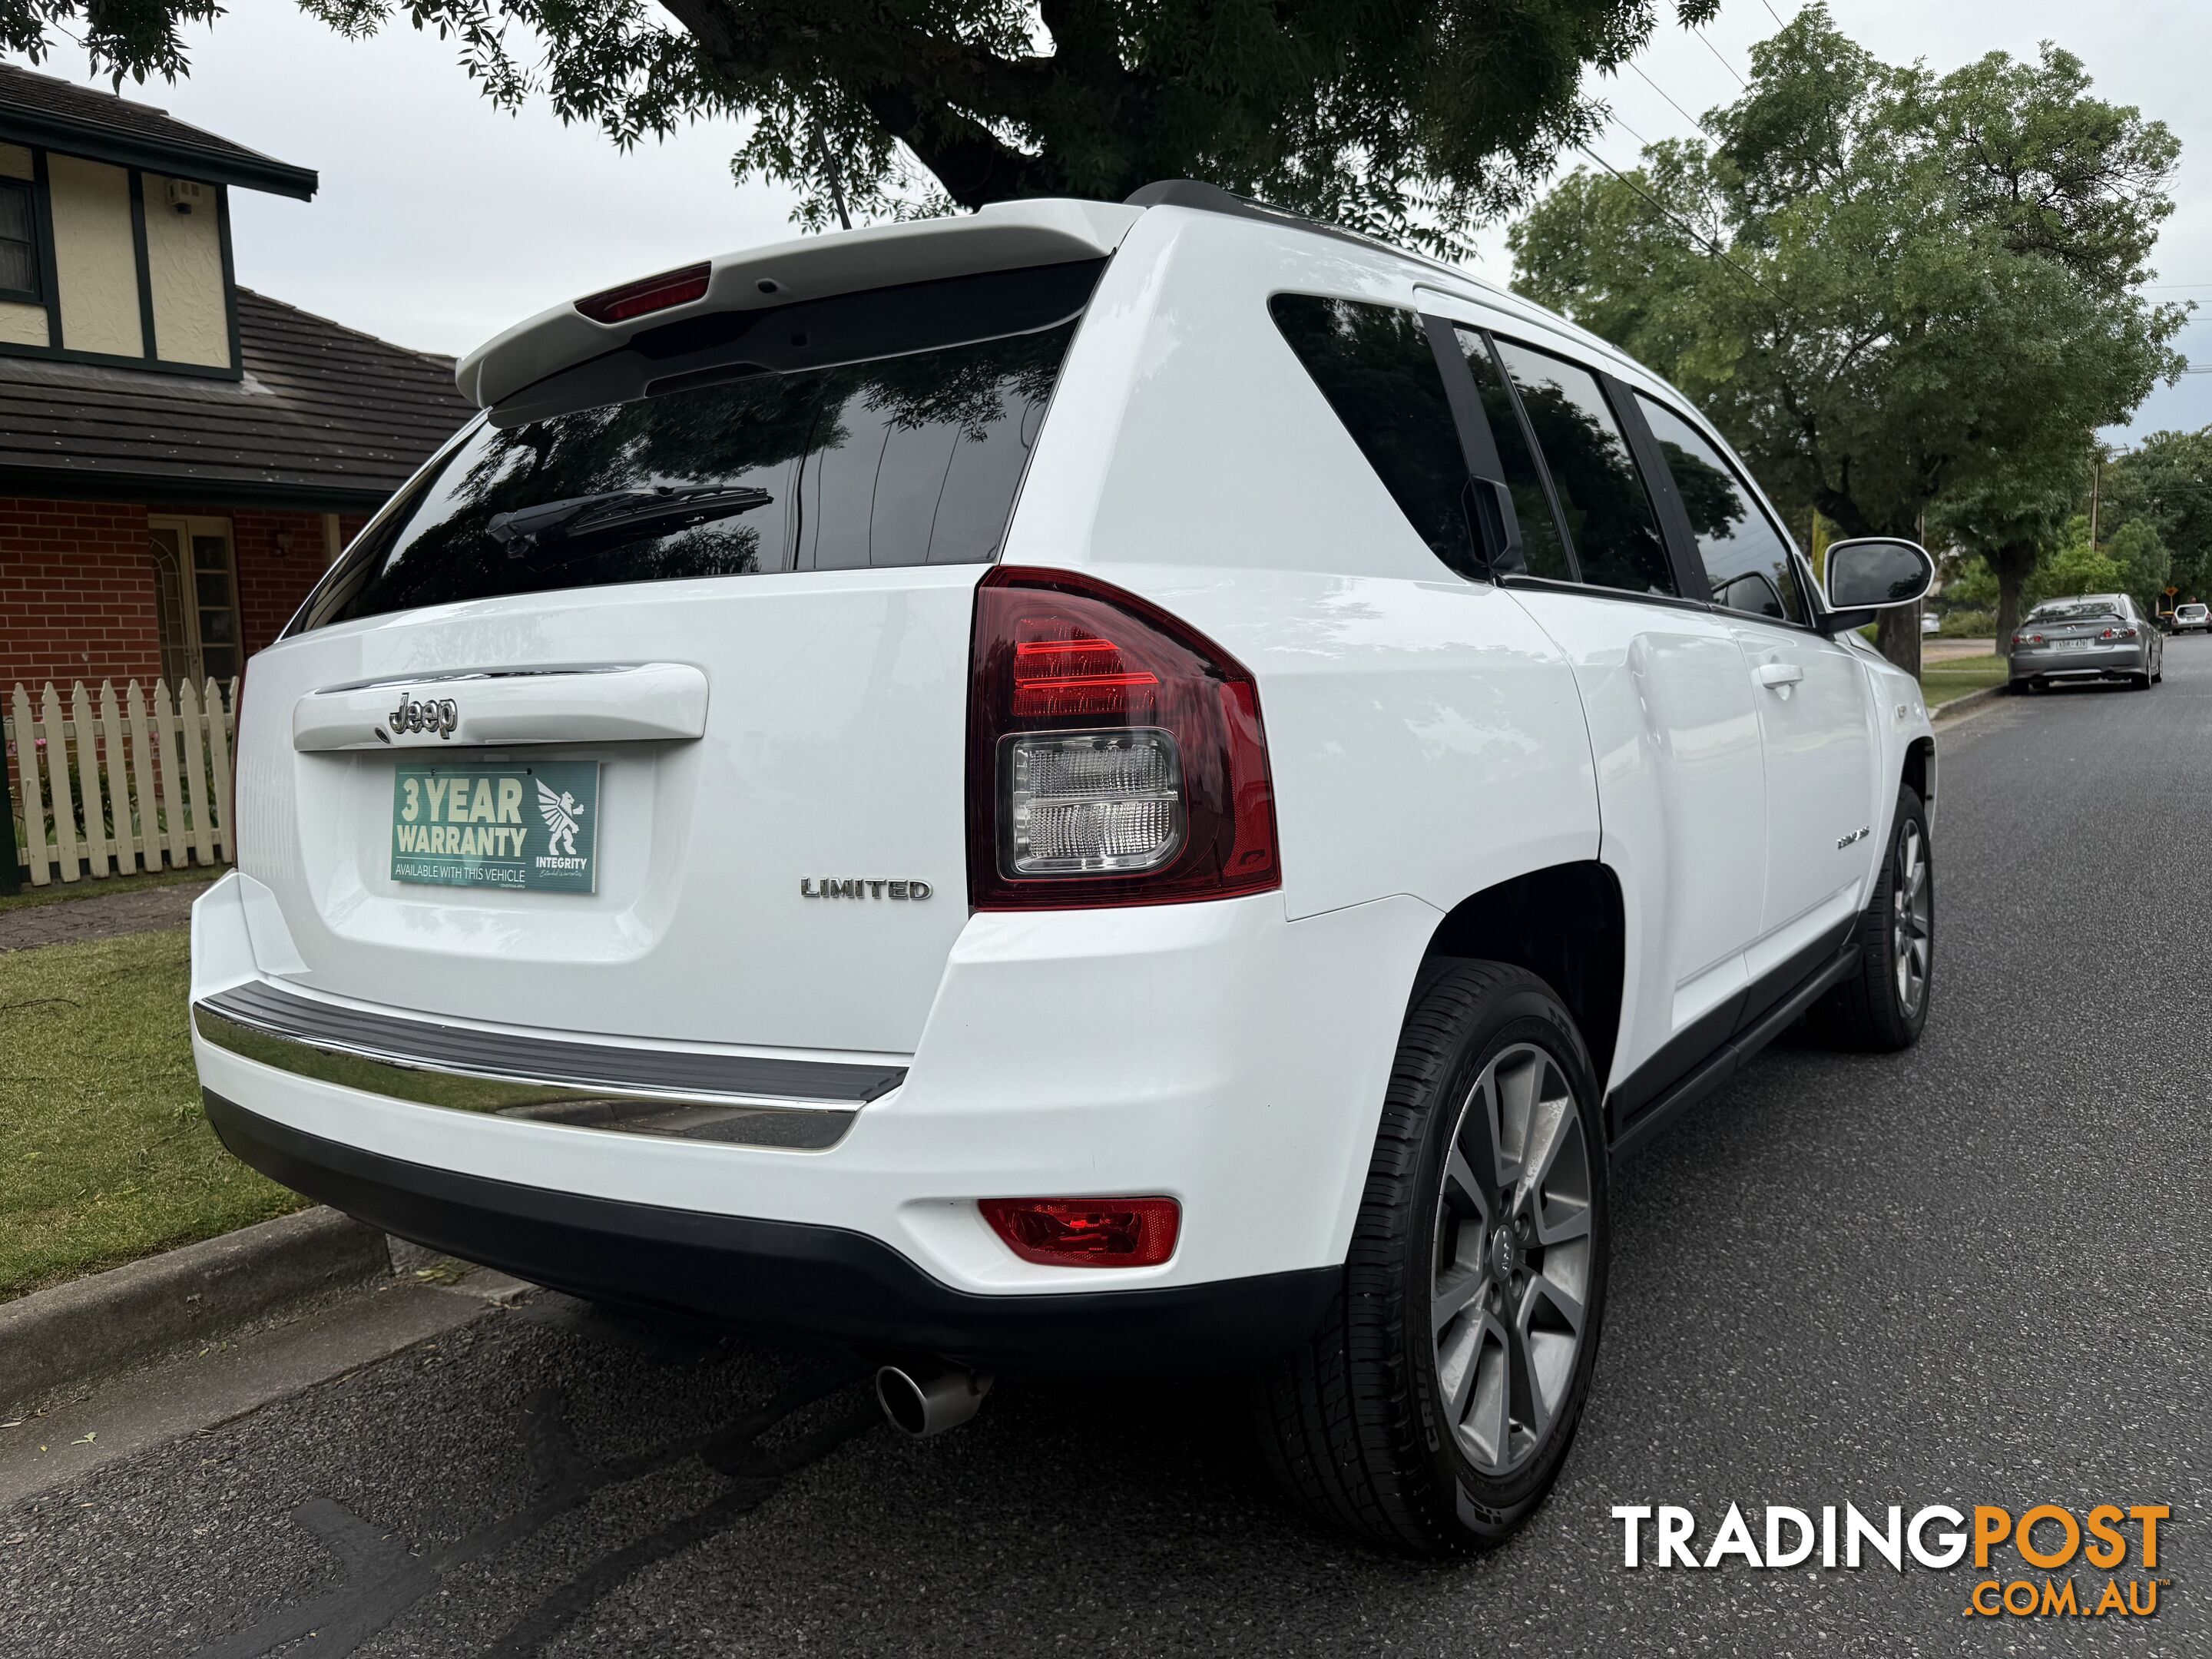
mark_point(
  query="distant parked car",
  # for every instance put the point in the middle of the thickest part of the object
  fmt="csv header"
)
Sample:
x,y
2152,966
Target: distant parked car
x,y
2192,619
1930,623
2090,636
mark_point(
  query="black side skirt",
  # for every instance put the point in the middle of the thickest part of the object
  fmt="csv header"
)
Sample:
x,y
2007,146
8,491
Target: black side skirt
x,y
782,1278
1654,1114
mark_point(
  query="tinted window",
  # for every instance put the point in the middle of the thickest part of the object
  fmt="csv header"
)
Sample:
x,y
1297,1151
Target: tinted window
x,y
728,468
1545,553
2075,610
1747,561
19,250
1375,366
1610,521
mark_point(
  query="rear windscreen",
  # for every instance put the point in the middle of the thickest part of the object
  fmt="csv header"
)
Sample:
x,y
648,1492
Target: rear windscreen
x,y
729,446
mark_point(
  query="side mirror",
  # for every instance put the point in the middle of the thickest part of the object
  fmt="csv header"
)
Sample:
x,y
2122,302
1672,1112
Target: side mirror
x,y
1871,574
1875,572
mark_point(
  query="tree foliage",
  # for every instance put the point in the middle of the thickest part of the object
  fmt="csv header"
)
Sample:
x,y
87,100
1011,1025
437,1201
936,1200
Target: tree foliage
x,y
1891,288
1413,117
2166,484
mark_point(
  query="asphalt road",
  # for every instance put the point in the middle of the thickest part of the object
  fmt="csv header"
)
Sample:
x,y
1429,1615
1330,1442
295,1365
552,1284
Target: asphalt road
x,y
1977,1273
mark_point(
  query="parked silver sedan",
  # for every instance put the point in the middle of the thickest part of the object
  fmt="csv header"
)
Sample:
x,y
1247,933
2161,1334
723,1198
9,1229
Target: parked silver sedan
x,y
2090,636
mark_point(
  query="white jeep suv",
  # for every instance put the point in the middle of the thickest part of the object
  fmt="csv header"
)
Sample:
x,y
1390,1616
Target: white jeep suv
x,y
1090,787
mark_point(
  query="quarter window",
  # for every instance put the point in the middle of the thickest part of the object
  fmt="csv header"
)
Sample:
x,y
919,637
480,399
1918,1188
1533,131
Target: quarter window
x,y
1747,560
19,243
1375,366
1608,512
1541,542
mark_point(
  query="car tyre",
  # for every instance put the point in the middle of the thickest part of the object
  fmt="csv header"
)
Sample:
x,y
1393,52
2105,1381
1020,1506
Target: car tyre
x,y
1881,1005
1432,1410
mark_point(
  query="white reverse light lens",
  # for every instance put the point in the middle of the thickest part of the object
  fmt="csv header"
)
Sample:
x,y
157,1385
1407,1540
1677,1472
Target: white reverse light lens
x,y
1081,803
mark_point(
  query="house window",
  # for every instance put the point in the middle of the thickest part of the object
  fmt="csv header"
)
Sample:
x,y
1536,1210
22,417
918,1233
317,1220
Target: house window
x,y
19,243
196,595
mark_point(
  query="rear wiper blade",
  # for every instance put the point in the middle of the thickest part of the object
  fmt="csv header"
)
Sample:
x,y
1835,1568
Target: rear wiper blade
x,y
615,511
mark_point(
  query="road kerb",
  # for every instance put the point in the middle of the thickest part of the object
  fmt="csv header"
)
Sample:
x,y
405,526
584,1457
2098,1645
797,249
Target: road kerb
x,y
1966,702
89,1327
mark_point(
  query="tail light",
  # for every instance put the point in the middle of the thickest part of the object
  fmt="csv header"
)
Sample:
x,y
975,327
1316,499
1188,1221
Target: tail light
x,y
2027,639
647,295
237,765
1086,1232
2117,634
1115,755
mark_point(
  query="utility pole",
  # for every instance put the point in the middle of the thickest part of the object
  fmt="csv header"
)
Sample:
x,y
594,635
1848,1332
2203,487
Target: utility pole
x,y
2096,482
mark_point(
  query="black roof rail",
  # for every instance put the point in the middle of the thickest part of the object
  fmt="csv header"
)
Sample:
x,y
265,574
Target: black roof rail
x,y
1212,198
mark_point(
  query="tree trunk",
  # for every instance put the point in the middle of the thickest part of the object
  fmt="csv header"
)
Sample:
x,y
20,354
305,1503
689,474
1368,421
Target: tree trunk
x,y
1898,638
2014,564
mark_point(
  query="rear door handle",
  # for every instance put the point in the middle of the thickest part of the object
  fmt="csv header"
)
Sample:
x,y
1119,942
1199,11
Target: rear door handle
x,y
615,703
1774,676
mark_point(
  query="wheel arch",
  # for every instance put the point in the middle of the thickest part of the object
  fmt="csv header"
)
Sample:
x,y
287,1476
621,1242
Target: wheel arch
x,y
1566,924
1919,771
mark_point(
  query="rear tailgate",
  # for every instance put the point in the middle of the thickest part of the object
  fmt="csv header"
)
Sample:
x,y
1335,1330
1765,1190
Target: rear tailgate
x,y
642,711
830,751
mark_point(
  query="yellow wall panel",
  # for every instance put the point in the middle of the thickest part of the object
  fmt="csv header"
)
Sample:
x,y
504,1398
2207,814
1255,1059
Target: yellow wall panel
x,y
15,162
184,259
96,257
22,325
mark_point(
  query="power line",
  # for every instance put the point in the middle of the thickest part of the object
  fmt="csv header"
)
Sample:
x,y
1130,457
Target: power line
x,y
1722,61
1775,15
1679,109
1705,243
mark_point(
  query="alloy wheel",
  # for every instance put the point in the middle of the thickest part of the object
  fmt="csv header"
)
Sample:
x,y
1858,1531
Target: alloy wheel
x,y
1513,1252
1911,931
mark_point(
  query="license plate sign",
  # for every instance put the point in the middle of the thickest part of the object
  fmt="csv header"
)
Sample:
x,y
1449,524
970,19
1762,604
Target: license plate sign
x,y
527,828
2070,645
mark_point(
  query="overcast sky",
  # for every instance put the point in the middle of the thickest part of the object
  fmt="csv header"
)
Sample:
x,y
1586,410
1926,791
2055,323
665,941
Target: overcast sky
x,y
441,220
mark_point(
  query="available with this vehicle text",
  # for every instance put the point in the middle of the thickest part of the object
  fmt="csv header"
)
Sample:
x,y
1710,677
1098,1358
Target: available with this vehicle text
x,y
1094,789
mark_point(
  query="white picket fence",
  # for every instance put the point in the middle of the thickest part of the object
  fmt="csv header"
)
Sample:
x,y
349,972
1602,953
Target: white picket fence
x,y
114,783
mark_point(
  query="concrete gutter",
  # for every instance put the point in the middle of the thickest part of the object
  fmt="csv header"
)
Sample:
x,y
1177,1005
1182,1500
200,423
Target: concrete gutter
x,y
68,1334
1966,704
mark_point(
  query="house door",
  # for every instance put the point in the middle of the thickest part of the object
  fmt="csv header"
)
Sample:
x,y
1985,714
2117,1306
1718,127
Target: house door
x,y
196,582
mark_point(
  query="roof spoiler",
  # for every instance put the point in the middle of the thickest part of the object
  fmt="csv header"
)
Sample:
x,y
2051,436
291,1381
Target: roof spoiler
x,y
1003,236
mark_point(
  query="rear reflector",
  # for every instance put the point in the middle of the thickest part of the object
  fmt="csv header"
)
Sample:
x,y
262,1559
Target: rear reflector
x,y
1086,1232
651,293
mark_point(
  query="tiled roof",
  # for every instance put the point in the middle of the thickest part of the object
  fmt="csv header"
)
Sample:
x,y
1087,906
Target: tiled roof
x,y
324,414
42,109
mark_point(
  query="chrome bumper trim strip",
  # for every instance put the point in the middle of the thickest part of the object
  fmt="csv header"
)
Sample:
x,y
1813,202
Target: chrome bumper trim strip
x,y
737,1100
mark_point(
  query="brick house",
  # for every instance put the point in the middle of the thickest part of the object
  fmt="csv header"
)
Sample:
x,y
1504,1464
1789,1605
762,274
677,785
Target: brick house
x,y
180,457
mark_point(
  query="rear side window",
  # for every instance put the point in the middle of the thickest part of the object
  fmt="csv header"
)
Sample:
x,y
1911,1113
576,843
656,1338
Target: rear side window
x,y
1747,560
1546,552
729,449
1376,367
1609,515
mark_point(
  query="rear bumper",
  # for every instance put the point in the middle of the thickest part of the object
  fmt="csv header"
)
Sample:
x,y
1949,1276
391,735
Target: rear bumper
x,y
2117,663
780,1277
1214,1054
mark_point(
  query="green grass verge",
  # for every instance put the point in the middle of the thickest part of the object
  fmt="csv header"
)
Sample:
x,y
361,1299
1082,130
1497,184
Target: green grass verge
x,y
56,893
104,1155
1940,682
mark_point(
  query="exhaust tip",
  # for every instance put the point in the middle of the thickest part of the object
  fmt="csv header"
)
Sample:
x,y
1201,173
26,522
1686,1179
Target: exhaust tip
x,y
923,1403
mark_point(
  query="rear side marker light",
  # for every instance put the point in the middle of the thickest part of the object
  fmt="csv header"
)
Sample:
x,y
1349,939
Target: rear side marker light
x,y
649,295
1086,1232
1115,756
